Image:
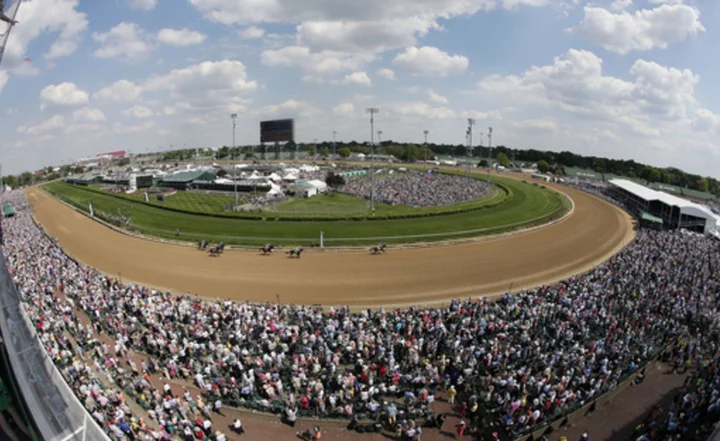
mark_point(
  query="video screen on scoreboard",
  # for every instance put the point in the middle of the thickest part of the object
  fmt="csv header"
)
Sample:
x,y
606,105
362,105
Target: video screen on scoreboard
x,y
279,130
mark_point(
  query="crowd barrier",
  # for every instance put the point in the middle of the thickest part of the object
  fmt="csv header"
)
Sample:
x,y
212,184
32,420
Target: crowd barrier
x,y
57,412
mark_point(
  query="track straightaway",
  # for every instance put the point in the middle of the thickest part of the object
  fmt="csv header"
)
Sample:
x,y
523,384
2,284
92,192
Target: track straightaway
x,y
594,232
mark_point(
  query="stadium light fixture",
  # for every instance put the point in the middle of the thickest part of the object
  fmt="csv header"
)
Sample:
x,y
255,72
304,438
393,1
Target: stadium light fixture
x,y
425,132
234,118
334,146
471,123
489,152
372,111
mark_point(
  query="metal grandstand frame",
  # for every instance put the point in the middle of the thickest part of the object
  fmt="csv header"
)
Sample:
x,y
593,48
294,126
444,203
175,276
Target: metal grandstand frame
x,y
12,13
57,412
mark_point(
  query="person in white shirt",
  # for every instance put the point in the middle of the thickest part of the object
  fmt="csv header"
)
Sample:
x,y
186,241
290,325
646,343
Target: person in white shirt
x,y
237,427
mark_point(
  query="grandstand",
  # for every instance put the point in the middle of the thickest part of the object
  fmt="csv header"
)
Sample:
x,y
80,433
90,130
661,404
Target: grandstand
x,y
674,212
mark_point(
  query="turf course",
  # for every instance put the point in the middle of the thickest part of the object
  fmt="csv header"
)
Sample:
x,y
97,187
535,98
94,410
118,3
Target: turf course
x,y
526,205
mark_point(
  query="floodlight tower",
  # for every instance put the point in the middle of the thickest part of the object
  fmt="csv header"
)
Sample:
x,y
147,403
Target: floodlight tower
x,y
372,111
234,119
489,152
334,145
471,123
425,132
379,132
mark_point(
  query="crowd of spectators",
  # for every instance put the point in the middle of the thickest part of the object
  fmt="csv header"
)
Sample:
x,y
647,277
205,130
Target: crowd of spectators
x,y
519,362
417,189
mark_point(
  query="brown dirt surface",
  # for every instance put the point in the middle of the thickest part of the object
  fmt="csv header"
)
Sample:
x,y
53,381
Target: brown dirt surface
x,y
591,234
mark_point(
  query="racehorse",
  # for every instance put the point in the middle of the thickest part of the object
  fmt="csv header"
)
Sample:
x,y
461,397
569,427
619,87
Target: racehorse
x,y
267,249
203,245
214,251
295,253
378,249
221,247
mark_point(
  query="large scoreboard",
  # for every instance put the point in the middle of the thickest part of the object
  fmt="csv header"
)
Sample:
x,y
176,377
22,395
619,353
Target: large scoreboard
x,y
279,130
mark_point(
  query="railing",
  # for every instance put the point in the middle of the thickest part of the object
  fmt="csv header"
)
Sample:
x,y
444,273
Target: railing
x,y
57,412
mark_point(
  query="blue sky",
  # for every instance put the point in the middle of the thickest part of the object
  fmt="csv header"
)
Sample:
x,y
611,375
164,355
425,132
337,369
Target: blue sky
x,y
619,78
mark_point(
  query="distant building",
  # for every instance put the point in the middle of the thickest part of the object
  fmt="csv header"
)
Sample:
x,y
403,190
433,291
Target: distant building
x,y
84,179
184,180
120,154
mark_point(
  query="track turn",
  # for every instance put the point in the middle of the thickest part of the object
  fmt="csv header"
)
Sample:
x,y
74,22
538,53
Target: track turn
x,y
594,232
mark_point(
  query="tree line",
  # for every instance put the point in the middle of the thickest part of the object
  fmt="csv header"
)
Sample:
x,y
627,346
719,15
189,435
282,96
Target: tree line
x,y
410,152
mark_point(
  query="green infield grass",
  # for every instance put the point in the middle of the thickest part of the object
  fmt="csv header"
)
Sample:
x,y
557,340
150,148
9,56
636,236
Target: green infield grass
x,y
515,205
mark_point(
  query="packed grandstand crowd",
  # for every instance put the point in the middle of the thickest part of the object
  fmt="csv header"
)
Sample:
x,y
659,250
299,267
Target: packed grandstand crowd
x,y
417,189
522,361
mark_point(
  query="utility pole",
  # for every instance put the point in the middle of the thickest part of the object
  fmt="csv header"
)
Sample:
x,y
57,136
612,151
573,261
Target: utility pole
x,y
489,152
372,111
334,145
379,132
425,132
471,123
234,118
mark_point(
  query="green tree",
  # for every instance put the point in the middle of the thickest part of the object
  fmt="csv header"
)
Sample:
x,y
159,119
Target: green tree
x,y
123,162
543,166
25,178
655,175
503,159
334,180
222,173
344,152
10,181
483,163
324,153
312,150
703,184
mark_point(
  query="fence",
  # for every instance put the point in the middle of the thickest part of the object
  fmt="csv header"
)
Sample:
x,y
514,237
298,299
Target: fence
x,y
57,412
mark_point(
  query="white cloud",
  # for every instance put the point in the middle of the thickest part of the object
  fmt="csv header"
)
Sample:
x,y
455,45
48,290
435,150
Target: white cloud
x,y
63,94
141,112
621,5
120,91
251,33
435,98
87,128
537,125
315,63
290,109
660,98
420,109
387,74
54,123
180,37
431,61
206,85
64,21
345,109
87,114
120,128
3,79
126,41
172,110
360,78
145,5
642,30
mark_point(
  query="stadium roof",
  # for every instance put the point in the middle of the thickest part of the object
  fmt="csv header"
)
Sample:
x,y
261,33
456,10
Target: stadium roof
x,y
649,194
190,176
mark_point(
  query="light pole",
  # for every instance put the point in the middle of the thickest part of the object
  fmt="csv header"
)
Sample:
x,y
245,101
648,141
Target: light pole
x,y
372,111
234,118
489,151
334,146
425,132
471,123
379,132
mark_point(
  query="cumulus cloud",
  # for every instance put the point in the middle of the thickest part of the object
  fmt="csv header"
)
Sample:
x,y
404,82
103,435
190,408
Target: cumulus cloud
x,y
119,91
315,63
251,33
436,98
63,94
431,61
207,84
420,109
144,5
54,123
575,83
138,111
65,23
122,128
359,78
87,114
345,109
642,30
387,74
180,37
126,41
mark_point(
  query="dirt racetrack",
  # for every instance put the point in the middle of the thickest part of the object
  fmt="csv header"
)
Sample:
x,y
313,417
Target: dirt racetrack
x,y
594,232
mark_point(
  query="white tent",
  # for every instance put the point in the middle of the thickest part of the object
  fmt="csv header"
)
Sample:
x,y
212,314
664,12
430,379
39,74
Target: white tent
x,y
274,177
241,165
309,168
223,181
290,177
319,185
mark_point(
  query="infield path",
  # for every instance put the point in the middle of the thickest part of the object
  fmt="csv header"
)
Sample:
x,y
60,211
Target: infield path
x,y
594,232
